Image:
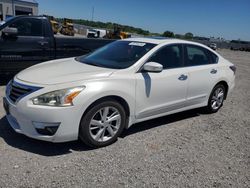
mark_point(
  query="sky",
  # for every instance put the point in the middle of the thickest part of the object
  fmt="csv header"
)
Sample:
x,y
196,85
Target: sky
x,y
229,19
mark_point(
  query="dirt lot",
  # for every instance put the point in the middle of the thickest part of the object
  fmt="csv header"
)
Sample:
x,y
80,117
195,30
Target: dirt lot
x,y
183,150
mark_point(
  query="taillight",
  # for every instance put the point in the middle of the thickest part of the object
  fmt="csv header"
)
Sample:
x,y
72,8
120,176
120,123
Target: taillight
x,y
233,68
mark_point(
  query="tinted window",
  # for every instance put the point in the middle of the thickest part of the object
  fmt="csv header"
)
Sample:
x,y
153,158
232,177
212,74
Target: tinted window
x,y
117,55
213,57
169,56
196,55
28,27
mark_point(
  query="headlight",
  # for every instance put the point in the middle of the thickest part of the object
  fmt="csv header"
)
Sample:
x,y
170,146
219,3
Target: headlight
x,y
62,97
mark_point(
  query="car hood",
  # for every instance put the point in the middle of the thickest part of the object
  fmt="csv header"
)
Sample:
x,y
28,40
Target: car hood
x,y
62,71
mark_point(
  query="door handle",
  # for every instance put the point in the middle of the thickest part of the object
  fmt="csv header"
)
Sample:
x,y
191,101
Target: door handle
x,y
213,71
183,77
43,43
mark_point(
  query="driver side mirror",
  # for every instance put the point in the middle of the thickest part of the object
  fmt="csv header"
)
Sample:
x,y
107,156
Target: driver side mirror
x,y
10,31
152,67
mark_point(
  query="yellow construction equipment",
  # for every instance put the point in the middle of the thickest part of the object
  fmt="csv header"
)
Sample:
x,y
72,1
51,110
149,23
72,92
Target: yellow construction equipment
x,y
54,23
116,33
55,26
67,27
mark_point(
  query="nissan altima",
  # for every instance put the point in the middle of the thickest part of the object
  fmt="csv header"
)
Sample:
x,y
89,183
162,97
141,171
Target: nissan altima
x,y
96,96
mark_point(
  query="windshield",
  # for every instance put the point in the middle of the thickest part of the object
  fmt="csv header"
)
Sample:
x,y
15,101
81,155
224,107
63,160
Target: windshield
x,y
117,55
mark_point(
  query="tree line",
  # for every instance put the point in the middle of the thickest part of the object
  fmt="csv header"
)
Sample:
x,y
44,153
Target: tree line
x,y
129,29
171,34
110,25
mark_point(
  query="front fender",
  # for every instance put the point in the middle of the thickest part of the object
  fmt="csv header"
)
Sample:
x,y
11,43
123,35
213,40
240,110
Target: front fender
x,y
96,90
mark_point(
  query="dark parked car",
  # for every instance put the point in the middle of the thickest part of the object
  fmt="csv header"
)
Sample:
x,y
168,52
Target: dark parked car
x,y
28,40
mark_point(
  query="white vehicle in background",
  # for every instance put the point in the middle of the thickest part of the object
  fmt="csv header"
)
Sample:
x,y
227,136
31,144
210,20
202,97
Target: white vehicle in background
x,y
96,33
213,46
96,96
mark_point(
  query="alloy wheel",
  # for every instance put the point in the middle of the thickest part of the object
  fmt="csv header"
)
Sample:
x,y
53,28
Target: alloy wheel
x,y
105,124
217,98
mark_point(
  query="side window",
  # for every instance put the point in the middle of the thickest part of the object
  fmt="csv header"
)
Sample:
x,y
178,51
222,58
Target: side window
x,y
196,55
213,57
28,27
169,56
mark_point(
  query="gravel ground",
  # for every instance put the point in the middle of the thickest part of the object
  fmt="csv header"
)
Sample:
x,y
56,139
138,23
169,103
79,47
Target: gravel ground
x,y
187,149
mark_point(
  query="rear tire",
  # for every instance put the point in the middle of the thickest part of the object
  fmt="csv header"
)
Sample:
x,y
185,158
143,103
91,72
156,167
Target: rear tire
x,y
102,124
216,98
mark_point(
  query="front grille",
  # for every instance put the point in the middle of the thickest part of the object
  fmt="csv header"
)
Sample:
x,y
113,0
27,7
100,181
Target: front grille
x,y
15,91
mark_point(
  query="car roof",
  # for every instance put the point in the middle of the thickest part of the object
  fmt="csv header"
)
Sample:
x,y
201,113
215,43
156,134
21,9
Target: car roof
x,y
161,40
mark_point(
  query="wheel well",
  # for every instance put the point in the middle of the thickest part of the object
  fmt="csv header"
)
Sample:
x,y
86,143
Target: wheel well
x,y
118,99
224,83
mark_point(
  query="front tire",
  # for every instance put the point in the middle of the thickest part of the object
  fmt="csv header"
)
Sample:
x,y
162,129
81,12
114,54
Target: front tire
x,y
216,98
102,124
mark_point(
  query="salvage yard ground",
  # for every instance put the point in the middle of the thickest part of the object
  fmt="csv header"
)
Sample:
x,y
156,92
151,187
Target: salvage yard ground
x,y
188,149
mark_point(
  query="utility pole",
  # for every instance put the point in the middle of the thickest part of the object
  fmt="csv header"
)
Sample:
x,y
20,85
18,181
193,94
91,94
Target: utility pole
x,y
93,11
13,12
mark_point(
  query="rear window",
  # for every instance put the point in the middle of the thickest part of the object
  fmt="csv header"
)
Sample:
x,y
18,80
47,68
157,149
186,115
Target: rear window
x,y
213,57
197,55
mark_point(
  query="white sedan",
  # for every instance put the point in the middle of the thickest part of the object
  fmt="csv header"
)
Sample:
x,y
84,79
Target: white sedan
x,y
96,96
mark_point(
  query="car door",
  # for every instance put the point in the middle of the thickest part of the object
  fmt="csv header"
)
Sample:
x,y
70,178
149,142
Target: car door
x,y
159,93
24,49
203,73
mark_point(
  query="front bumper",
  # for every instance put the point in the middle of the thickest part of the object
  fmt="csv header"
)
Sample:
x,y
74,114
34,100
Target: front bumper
x,y
24,117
